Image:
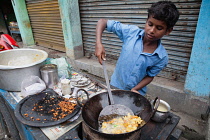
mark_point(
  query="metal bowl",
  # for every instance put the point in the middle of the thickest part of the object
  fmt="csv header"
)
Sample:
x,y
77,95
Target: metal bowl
x,y
18,64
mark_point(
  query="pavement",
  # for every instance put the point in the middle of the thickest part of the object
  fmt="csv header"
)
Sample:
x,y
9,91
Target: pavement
x,y
192,128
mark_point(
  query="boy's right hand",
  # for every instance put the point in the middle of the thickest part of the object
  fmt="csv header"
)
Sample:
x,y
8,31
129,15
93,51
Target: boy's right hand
x,y
99,48
100,52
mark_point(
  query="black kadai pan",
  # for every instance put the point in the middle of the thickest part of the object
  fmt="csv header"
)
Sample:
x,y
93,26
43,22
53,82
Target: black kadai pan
x,y
25,113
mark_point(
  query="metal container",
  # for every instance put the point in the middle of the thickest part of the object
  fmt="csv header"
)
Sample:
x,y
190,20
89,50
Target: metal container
x,y
162,112
49,74
18,64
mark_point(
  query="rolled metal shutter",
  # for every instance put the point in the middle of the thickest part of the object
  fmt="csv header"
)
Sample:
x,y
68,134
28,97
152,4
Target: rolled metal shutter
x,y
178,44
46,23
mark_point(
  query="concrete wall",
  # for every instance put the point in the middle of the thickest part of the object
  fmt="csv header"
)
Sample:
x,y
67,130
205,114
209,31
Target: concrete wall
x,y
70,17
198,75
22,17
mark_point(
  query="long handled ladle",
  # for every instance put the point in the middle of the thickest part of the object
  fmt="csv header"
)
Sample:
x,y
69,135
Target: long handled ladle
x,y
112,110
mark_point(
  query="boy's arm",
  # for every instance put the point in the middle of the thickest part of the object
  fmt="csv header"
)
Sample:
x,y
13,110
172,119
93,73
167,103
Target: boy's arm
x,y
143,83
99,49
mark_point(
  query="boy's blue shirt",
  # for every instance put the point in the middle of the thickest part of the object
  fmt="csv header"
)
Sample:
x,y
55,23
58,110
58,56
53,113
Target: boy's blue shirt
x,y
133,64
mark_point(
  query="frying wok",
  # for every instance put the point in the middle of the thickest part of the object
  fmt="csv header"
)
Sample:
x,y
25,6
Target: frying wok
x,y
136,102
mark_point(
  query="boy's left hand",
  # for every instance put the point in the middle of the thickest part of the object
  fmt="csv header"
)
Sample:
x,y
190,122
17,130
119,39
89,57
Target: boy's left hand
x,y
133,90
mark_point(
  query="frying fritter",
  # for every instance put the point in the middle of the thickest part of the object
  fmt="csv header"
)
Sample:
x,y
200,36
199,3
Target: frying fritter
x,y
122,124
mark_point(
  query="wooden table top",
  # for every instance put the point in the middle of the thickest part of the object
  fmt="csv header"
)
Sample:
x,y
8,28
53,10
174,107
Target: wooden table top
x,y
160,131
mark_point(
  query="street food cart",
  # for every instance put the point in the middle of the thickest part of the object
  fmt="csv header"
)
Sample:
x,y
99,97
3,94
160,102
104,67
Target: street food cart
x,y
72,128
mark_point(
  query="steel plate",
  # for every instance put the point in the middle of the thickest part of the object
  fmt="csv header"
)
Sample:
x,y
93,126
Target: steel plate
x,y
26,105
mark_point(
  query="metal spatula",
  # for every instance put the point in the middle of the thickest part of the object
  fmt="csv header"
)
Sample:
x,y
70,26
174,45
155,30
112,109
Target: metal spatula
x,y
112,110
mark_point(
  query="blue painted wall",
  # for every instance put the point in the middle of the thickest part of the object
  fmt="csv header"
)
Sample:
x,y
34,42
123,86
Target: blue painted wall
x,y
198,75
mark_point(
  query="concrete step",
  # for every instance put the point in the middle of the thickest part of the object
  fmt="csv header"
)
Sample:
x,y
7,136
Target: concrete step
x,y
192,128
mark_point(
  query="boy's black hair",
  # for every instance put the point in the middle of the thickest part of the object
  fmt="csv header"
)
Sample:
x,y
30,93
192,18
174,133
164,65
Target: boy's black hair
x,y
165,11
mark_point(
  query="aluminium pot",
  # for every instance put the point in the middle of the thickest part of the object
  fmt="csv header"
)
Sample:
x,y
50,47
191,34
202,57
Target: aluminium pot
x,y
19,64
92,108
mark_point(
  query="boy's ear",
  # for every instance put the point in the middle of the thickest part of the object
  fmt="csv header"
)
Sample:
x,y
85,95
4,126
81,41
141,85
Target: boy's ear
x,y
169,31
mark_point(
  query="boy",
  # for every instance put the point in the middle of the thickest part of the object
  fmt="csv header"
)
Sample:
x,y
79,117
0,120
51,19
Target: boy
x,y
142,56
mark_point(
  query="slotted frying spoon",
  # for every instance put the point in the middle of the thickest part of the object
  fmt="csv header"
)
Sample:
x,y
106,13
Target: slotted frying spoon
x,y
112,110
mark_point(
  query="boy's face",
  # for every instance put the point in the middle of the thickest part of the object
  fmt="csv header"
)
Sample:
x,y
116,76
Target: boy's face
x,y
155,29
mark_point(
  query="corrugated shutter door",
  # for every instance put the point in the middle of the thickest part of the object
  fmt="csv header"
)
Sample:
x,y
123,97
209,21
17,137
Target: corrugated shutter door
x,y
178,44
46,23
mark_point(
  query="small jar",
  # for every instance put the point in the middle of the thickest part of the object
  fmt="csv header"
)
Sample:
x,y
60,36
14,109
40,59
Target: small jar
x,y
65,86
